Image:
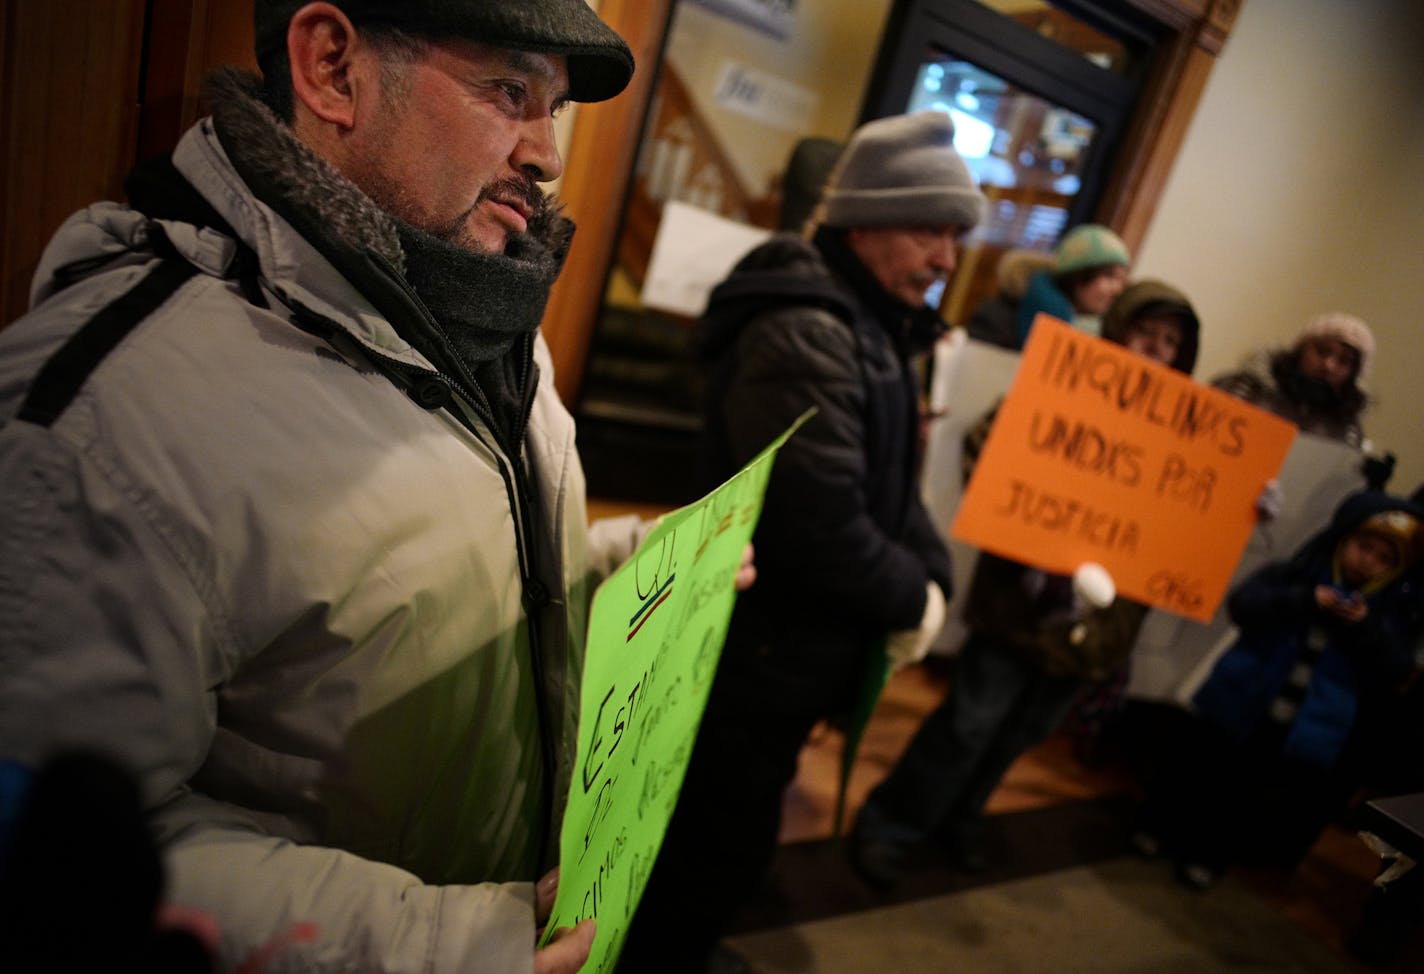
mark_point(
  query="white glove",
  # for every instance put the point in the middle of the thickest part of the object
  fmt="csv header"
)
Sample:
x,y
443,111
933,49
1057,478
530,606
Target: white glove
x,y
908,646
1272,499
1092,586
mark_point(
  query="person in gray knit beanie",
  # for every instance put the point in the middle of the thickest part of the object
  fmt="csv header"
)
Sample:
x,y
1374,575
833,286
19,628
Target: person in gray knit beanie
x,y
849,563
902,171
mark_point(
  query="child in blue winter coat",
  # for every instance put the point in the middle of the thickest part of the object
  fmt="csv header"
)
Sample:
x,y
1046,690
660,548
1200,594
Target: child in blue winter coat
x,y
1324,638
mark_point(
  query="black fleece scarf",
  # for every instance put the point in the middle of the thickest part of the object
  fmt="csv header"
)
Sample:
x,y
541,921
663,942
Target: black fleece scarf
x,y
486,303
480,304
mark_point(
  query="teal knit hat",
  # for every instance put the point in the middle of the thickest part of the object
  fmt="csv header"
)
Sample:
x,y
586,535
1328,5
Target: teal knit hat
x,y
1089,245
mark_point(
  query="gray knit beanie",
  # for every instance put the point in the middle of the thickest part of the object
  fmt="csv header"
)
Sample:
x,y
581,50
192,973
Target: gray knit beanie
x,y
600,63
902,171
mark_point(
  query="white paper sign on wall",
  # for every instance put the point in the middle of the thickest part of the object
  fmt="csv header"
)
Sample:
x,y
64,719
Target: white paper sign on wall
x,y
692,252
774,17
764,97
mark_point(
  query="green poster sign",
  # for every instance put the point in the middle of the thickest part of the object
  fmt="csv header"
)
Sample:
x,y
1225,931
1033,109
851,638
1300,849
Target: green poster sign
x,y
656,628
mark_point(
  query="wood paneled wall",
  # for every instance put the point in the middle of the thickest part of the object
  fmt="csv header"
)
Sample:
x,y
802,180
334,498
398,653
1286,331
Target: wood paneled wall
x,y
69,112
187,39
84,99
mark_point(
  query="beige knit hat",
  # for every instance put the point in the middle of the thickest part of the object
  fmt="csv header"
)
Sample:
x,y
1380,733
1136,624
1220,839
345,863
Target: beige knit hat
x,y
1343,327
901,171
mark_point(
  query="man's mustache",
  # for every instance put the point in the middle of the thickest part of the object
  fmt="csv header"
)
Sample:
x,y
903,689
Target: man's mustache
x,y
525,190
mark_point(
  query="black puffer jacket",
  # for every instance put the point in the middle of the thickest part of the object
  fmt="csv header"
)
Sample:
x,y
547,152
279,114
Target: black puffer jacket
x,y
844,547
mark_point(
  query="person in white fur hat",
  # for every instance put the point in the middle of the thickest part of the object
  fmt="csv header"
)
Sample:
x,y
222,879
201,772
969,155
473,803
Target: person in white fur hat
x,y
1316,383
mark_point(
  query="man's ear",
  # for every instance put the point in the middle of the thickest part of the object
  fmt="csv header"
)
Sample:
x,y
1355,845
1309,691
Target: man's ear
x,y
320,42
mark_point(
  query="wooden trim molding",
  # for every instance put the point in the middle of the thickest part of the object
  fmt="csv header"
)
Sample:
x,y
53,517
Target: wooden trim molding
x,y
1216,27
601,154
69,80
1163,116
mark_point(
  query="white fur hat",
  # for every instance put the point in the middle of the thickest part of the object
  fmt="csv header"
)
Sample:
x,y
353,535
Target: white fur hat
x,y
1346,328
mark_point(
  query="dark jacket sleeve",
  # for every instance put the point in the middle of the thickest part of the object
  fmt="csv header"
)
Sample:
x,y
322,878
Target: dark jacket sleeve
x,y
1094,647
925,540
1041,295
1383,650
1089,646
1278,595
1269,595
815,527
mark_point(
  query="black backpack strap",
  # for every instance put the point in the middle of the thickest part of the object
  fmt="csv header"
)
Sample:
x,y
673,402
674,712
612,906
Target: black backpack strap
x,y
59,379
159,191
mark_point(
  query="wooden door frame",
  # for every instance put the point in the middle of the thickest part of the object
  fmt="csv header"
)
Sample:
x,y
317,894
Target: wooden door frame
x,y
605,142
1159,125
601,154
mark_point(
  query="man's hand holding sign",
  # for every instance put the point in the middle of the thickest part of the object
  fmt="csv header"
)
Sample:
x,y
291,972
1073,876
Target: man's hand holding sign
x,y
1099,455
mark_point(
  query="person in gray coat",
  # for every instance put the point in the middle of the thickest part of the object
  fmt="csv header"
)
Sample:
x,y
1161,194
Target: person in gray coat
x,y
292,525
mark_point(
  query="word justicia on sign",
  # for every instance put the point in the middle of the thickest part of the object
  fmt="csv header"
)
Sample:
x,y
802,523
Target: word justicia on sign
x,y
1068,515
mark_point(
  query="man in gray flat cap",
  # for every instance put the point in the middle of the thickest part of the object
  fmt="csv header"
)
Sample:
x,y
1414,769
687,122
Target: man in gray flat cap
x,y
292,525
846,552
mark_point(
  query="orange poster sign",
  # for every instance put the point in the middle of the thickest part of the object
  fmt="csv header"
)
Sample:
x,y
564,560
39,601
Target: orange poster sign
x,y
1098,454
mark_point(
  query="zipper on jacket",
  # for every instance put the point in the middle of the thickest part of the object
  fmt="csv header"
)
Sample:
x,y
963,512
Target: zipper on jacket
x,y
535,595
431,390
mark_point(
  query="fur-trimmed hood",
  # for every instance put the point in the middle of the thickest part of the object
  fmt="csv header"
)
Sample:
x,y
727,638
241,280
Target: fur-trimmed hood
x,y
1015,268
1155,297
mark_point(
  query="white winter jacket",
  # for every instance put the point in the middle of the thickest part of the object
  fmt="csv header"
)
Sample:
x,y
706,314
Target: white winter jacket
x,y
239,558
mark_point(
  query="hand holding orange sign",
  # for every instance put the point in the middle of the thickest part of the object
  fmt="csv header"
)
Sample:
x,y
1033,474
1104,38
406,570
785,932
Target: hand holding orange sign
x,y
1100,455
